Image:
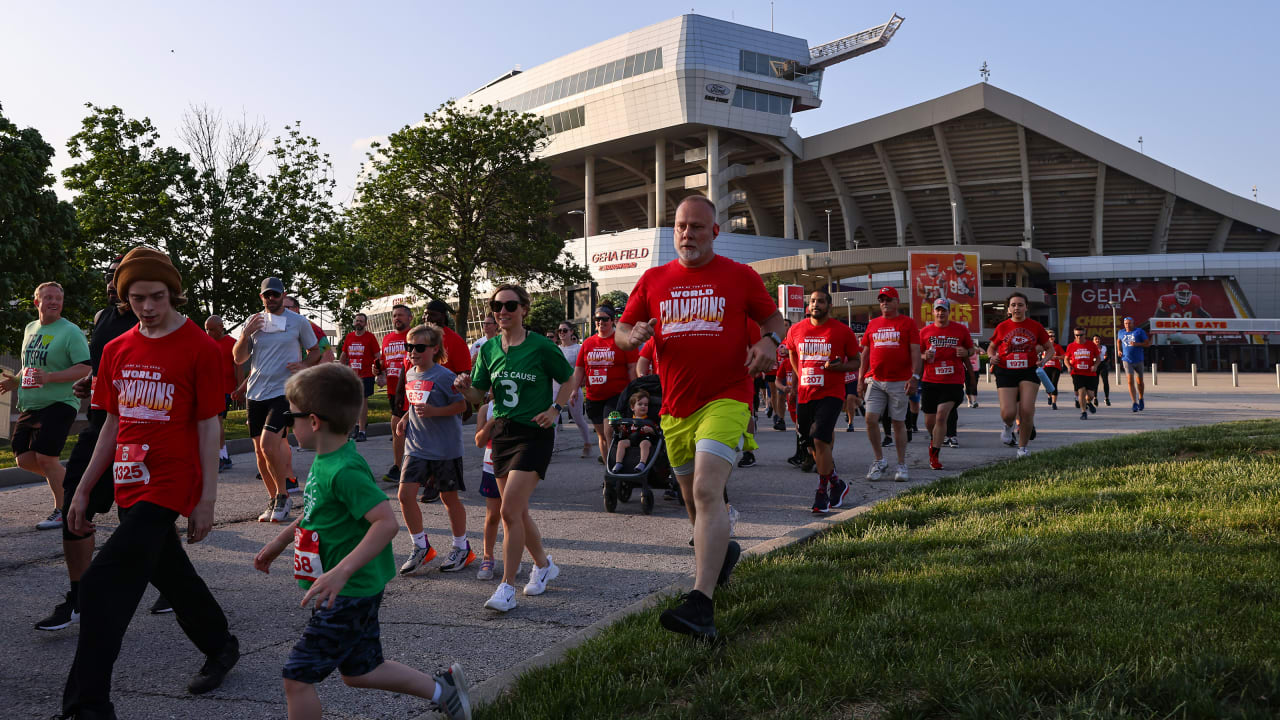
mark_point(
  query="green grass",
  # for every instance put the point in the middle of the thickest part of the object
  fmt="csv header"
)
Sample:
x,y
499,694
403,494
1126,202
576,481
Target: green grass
x,y
1129,578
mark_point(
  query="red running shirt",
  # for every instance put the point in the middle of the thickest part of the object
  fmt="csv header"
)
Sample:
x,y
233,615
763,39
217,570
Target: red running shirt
x,y
701,333
159,390
361,350
815,345
945,367
890,341
1081,357
1058,355
604,366
225,345
1015,344
393,359
458,352
651,355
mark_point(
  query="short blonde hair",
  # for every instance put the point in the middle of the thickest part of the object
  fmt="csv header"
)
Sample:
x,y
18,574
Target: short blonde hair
x,y
435,336
330,390
50,284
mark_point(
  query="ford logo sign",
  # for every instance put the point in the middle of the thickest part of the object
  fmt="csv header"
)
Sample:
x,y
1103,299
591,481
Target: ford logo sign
x,y
718,89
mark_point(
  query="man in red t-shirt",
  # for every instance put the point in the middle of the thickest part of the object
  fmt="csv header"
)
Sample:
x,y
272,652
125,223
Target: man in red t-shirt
x,y
231,379
603,371
824,350
161,432
1083,359
390,364
457,351
647,363
947,346
890,372
359,351
697,308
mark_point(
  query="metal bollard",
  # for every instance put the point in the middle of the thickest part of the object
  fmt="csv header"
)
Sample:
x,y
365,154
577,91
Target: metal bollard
x,y
1235,375
990,380
1155,374
1278,375
1195,381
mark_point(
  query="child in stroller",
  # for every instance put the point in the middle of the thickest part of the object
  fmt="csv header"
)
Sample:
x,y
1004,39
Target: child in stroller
x,y
637,453
640,426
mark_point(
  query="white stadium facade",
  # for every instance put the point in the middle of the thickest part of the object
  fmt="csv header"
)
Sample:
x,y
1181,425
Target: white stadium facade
x,y
696,105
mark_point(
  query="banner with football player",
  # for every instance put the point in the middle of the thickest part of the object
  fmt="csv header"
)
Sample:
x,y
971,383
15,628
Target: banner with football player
x,y
952,275
1090,306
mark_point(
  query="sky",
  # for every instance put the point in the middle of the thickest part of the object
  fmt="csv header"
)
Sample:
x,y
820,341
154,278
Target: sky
x,y
1197,81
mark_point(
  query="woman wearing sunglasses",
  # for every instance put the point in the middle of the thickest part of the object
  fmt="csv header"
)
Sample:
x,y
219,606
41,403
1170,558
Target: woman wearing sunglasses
x,y
567,339
519,367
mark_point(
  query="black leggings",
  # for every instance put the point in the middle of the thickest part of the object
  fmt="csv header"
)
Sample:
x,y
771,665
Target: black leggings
x,y
144,548
1104,374
1053,373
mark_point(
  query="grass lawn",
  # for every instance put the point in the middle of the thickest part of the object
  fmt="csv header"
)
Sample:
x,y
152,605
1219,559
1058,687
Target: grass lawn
x,y
1133,577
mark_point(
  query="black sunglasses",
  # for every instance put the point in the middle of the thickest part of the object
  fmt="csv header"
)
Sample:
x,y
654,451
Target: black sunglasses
x,y
1079,334
271,294
290,415
604,319
564,330
509,305
417,347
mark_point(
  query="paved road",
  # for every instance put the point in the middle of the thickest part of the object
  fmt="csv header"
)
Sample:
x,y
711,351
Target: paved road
x,y
608,561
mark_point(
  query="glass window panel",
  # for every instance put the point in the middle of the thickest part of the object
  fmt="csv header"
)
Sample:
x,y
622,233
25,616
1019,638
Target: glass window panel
x,y
555,90
649,59
775,104
575,84
762,102
630,68
582,81
608,74
618,66
582,115
593,78
557,124
737,98
658,60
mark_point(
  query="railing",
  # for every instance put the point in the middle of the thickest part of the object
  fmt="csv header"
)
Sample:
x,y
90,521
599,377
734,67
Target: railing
x,y
856,44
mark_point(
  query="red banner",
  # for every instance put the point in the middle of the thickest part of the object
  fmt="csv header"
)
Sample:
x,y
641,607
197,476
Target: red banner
x,y
791,298
955,276
1147,300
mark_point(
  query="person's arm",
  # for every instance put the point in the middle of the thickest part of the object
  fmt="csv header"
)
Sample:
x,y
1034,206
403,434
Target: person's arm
x,y
631,371
240,353
484,427
71,374
863,361
269,552
383,527
764,352
643,366
916,364
200,521
77,520
453,408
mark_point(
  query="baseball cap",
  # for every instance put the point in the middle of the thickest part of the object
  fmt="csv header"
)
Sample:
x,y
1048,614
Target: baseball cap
x,y
942,303
889,291
272,283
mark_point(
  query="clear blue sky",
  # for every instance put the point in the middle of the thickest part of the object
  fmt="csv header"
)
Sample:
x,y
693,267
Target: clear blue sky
x,y
1198,81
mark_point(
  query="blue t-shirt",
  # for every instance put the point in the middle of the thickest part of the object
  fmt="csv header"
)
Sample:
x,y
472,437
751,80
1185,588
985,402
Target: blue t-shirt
x,y
432,438
1128,339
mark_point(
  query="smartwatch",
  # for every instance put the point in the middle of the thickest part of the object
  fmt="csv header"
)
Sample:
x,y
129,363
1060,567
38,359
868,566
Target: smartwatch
x,y
557,406
774,337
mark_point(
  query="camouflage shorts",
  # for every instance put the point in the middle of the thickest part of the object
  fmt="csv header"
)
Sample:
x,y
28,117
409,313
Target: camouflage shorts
x,y
346,636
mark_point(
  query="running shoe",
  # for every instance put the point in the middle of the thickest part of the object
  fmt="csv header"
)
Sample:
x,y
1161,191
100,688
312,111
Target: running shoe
x,y
215,668
779,424
748,460
821,503
1023,452
430,494
617,468
1055,406
1135,407
1006,435
807,464
64,614
161,606
732,552
459,558
876,471
540,576
503,599
1108,402
951,442
935,462
224,464
419,557
393,475
266,514
910,434
849,427
694,616
454,701
1093,409
640,467
973,404
1142,403
901,475
1077,404
795,460
281,507
1033,434
291,486
361,436
486,569
1048,401
53,522
887,441
733,521
836,491
1084,416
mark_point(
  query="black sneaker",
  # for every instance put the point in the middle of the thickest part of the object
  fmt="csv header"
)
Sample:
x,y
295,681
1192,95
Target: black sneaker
x,y
694,616
393,475
821,503
795,460
910,433
454,701
291,486
779,424
1092,408
1084,416
430,495
1108,402
161,606
215,669
887,441
64,614
361,437
836,492
731,554
807,464
748,460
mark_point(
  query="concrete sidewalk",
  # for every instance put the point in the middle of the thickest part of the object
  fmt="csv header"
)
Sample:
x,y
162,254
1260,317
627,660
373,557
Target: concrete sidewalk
x,y
608,562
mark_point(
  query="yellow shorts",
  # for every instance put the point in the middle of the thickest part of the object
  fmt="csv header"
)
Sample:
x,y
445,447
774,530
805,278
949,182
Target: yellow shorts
x,y
719,428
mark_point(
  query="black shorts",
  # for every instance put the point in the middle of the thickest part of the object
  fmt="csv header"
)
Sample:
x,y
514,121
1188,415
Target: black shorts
x,y
443,475
397,411
520,447
1054,373
368,386
103,494
851,389
346,636
934,394
1014,378
598,410
816,419
226,405
268,414
43,431
1085,382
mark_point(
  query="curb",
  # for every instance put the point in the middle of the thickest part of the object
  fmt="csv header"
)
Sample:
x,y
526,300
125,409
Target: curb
x,y
490,690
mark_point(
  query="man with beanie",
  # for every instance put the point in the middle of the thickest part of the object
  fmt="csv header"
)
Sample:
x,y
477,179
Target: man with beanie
x,y
160,441
273,343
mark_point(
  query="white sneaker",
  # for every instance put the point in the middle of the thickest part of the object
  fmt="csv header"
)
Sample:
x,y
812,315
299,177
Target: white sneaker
x,y
1006,435
902,475
1023,452
266,514
539,577
282,508
53,522
733,521
876,471
503,599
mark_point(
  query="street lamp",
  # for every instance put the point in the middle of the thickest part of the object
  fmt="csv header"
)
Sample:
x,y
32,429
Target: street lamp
x,y
828,229
955,225
1114,345
583,213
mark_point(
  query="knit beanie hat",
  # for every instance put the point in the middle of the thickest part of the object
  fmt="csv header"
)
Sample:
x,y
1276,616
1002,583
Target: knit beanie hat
x,y
144,263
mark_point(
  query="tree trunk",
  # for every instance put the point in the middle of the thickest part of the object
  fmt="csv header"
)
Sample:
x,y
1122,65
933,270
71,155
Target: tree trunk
x,y
464,304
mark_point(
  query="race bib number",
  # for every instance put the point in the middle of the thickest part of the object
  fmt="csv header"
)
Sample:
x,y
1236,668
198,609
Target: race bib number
x,y
357,364
1082,365
29,379
943,370
812,378
488,459
1019,364
598,377
418,391
130,464
306,554
393,372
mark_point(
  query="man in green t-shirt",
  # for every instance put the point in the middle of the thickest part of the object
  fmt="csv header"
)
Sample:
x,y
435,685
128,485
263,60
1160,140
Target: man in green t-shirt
x,y
342,556
54,356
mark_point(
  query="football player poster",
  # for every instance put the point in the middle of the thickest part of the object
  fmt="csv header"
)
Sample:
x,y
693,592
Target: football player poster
x,y
1089,305
952,275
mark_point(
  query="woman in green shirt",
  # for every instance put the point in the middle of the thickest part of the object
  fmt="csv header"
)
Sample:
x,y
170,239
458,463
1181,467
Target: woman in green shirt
x,y
519,369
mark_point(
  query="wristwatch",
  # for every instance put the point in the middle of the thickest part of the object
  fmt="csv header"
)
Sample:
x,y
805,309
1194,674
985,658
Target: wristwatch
x,y
917,377
557,406
774,337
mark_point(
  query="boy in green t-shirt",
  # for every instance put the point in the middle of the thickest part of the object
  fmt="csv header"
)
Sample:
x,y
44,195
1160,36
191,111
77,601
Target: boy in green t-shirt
x,y
342,556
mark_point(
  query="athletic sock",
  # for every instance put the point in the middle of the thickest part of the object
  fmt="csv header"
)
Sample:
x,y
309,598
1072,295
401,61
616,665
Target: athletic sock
x,y
420,539
435,696
460,542
823,480
222,453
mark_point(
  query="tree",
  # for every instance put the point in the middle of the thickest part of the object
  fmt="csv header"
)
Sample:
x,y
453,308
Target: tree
x,y
37,234
545,314
771,284
457,197
615,299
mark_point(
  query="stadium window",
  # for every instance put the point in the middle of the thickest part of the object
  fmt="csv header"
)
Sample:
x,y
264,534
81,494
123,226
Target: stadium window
x,y
762,102
630,68
658,59
650,58
775,104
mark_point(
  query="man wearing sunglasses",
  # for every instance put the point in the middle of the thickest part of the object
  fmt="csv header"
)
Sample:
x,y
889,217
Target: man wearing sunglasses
x,y
603,371
1083,359
275,343
359,351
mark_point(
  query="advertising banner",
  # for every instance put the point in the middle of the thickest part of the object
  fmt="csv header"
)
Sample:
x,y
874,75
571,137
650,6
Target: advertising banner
x,y
1089,305
791,299
952,275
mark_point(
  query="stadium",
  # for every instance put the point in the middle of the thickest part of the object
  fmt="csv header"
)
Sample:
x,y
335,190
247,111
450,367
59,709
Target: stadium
x,y
1089,229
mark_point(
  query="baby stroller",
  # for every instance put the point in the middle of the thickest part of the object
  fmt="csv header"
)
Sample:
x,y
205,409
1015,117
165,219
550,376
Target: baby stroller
x,y
657,473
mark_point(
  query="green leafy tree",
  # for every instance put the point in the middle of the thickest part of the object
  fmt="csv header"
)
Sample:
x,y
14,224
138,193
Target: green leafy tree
x,y
546,312
615,299
37,234
457,198
771,284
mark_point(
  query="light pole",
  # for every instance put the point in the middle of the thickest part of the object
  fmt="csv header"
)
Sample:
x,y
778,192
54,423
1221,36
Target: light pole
x,y
583,213
1114,345
828,229
955,225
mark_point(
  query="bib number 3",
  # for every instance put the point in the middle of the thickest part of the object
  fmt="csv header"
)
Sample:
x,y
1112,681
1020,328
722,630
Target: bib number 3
x,y
306,555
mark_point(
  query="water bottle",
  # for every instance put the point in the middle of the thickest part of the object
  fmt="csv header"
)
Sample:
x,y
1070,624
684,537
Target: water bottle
x,y
1044,380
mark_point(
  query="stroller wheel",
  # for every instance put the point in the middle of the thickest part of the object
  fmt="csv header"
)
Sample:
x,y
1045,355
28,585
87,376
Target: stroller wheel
x,y
646,501
624,493
610,496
